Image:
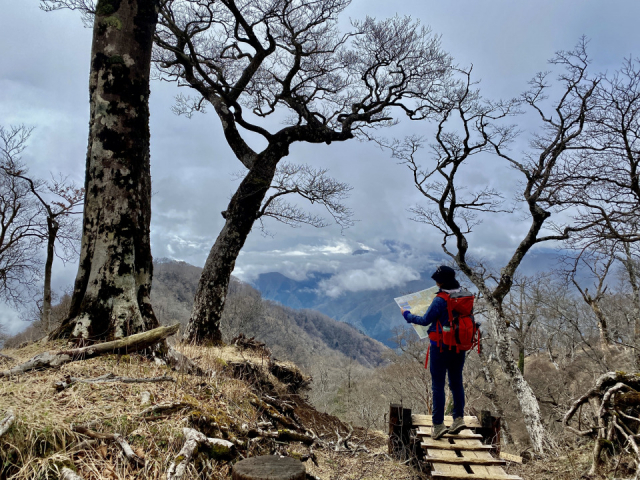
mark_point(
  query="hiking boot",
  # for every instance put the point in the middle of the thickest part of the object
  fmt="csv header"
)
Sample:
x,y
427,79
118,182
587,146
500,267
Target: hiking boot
x,y
438,430
457,425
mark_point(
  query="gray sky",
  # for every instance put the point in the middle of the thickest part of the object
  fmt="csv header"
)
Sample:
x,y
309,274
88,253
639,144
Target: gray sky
x,y
44,83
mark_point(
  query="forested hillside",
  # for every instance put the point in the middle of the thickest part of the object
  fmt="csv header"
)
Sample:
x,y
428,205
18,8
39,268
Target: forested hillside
x,y
302,336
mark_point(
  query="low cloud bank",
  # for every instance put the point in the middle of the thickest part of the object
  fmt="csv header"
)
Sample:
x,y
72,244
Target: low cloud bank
x,y
381,275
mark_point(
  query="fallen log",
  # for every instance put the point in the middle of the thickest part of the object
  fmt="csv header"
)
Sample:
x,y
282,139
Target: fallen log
x,y
6,422
116,437
109,378
130,344
218,449
283,435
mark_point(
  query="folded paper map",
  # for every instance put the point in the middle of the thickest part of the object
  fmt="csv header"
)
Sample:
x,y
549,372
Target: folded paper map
x,y
418,303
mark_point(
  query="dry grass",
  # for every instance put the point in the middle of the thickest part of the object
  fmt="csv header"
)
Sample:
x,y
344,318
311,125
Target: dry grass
x,y
42,441
573,464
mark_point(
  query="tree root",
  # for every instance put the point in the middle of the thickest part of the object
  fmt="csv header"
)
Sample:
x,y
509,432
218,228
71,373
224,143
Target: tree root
x,y
193,438
272,413
119,439
6,422
612,420
108,378
130,344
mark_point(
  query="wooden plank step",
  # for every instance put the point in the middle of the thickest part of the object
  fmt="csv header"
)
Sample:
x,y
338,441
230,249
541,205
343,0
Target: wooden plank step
x,y
490,471
426,420
465,461
472,476
453,446
426,432
446,468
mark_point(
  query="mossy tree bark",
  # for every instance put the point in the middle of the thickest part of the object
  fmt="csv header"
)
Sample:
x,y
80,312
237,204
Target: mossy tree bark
x,y
111,293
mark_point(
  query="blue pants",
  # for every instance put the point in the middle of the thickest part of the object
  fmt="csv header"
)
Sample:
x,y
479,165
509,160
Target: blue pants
x,y
440,363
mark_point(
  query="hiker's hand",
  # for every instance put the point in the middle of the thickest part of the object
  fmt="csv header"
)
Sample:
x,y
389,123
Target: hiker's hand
x,y
402,310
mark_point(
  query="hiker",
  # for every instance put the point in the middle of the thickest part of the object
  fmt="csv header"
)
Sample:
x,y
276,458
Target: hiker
x,y
443,359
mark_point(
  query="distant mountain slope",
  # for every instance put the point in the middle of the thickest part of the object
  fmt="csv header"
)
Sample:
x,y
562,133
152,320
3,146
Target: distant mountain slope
x,y
297,335
372,311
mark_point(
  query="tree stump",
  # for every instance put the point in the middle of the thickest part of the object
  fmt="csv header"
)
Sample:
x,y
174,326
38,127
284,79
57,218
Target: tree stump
x,y
269,467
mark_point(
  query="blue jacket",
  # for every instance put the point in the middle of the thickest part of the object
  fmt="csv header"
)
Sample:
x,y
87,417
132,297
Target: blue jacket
x,y
436,311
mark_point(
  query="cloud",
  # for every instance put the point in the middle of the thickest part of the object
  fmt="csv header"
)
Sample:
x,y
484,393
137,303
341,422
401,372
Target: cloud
x,y
338,247
383,274
10,321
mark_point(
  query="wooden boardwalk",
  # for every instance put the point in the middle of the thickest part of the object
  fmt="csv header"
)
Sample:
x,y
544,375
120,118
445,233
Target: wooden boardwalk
x,y
461,456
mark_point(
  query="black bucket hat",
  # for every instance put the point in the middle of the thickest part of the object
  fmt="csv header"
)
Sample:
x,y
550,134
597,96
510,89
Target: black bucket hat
x,y
446,277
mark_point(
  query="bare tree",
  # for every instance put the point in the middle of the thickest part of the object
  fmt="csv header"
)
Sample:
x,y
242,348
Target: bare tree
x,y
254,59
58,199
570,326
603,178
112,288
61,227
455,212
522,308
20,233
597,264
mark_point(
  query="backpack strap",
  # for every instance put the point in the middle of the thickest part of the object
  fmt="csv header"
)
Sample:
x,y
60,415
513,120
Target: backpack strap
x,y
426,362
445,296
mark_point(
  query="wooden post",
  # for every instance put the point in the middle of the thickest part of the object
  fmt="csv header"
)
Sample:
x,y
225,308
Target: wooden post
x,y
269,467
495,425
400,425
490,430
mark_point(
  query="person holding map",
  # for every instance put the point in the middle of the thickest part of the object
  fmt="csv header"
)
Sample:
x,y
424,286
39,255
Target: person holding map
x,y
443,360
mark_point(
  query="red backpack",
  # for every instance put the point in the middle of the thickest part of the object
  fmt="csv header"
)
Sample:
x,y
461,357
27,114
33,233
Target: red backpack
x,y
462,331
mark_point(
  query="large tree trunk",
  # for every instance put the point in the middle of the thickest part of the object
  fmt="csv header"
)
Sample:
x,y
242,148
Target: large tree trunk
x,y
527,399
111,293
494,396
241,214
52,233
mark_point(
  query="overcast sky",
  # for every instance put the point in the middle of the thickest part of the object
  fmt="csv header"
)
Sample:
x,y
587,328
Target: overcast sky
x,y
44,83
